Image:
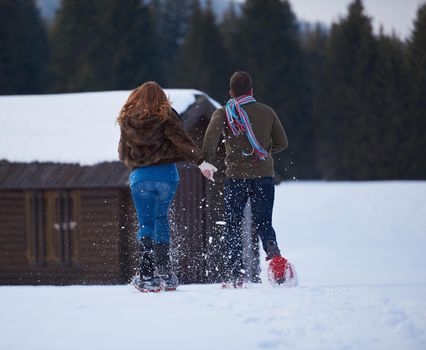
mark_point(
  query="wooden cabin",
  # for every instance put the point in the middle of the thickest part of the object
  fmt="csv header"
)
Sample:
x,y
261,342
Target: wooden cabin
x,y
69,219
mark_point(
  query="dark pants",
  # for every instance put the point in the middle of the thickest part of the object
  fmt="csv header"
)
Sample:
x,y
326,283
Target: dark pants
x,y
261,192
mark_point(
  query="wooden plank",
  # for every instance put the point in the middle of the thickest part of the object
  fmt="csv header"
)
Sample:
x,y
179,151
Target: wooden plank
x,y
104,240
13,225
92,239
18,207
99,255
101,192
95,229
87,207
12,255
100,215
105,217
16,262
9,214
97,245
87,203
11,196
11,199
11,233
98,211
12,243
7,234
100,200
113,277
99,251
12,209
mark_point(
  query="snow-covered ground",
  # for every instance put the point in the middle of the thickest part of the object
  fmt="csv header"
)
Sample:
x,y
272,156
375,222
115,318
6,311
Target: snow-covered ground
x,y
359,249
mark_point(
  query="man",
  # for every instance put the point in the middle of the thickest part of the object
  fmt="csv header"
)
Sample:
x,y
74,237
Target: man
x,y
251,132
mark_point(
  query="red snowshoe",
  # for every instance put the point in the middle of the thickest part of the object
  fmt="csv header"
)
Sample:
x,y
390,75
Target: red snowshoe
x,y
280,271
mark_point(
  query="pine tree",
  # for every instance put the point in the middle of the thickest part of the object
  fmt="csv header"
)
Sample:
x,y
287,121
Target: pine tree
x,y
391,102
202,57
23,48
73,44
314,41
346,123
416,123
130,48
172,23
103,44
269,50
229,28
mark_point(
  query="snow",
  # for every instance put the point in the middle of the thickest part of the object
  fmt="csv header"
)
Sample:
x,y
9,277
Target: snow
x,y
359,252
358,249
69,128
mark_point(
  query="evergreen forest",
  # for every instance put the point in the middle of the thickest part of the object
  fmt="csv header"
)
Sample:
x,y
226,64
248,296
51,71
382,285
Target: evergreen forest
x,y
352,101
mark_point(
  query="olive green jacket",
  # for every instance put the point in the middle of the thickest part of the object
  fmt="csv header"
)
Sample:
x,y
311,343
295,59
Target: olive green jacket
x,y
269,133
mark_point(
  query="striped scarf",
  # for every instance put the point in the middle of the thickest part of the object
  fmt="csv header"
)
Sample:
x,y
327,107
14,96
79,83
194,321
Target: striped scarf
x,y
239,123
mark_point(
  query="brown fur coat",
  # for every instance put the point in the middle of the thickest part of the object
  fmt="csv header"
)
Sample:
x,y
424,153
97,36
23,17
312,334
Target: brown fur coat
x,y
152,142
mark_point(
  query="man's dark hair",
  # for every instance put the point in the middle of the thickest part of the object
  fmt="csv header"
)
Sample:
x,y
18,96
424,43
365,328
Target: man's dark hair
x,y
240,83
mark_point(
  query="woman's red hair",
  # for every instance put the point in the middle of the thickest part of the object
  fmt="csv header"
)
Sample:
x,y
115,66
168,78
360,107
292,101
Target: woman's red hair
x,y
146,101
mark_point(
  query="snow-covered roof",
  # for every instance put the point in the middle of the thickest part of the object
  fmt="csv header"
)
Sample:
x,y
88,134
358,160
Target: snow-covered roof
x,y
69,128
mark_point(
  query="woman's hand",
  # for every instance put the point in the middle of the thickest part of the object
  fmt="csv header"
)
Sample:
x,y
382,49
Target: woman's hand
x,y
207,170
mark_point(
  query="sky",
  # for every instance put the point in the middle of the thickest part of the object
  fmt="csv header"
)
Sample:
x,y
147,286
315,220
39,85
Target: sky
x,y
394,15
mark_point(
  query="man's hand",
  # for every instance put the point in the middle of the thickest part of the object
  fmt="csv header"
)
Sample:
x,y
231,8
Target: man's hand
x,y
207,170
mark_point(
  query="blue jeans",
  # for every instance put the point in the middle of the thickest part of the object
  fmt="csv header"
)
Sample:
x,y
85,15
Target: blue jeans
x,y
261,192
152,201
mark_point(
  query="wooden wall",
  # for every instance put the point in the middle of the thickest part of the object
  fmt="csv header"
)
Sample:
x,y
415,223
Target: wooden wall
x,y
88,236
188,227
13,256
198,229
86,245
105,236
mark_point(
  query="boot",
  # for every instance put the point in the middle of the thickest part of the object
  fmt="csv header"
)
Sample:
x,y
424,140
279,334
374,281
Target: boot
x,y
147,281
146,257
272,250
168,277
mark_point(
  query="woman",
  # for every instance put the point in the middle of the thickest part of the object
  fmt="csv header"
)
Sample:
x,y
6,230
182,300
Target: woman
x,y
152,141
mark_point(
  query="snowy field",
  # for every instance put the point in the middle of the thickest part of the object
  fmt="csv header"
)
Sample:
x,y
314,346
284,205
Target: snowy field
x,y
359,249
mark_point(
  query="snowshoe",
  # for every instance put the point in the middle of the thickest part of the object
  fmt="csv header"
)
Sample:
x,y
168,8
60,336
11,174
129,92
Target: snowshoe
x,y
169,281
147,284
234,285
281,272
239,284
236,282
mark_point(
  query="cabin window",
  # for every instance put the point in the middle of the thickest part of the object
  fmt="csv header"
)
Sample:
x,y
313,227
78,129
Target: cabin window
x,y
53,227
